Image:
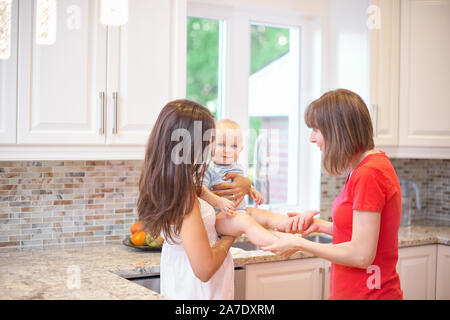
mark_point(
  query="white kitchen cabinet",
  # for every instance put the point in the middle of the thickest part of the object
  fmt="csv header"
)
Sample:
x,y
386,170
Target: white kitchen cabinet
x,y
424,73
384,76
416,267
139,64
409,78
443,273
59,84
98,85
301,279
8,86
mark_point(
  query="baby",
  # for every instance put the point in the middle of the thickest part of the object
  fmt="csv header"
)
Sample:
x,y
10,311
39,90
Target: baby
x,y
236,219
228,146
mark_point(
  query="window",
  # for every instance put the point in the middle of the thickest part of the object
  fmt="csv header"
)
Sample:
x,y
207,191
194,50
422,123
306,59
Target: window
x,y
254,67
203,63
273,101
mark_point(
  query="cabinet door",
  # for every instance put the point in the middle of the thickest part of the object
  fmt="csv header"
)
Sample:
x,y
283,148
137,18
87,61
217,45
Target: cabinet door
x,y
417,271
384,77
300,279
424,73
8,86
443,273
59,84
140,68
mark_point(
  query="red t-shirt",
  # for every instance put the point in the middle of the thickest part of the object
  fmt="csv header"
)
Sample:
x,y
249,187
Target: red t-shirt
x,y
372,186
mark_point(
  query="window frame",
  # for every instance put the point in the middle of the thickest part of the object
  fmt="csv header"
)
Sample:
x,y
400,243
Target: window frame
x,y
305,161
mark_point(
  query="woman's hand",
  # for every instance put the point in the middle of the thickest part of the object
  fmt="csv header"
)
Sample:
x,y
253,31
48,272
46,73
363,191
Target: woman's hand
x,y
301,222
319,225
235,190
285,246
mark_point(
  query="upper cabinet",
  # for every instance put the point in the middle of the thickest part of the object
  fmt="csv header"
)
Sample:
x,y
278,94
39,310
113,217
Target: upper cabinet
x,y
8,83
60,83
92,84
139,63
410,86
425,73
384,80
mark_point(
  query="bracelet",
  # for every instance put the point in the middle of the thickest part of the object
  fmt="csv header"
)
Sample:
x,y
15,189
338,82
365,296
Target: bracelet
x,y
225,250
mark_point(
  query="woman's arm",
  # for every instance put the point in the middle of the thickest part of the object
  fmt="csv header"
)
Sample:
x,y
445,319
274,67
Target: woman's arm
x,y
359,252
204,260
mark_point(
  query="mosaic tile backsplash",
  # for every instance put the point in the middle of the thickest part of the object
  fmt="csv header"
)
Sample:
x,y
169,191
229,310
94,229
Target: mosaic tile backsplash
x,y
45,203
49,203
432,176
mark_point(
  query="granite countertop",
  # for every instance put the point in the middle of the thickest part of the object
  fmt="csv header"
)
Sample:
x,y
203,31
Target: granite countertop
x,y
96,271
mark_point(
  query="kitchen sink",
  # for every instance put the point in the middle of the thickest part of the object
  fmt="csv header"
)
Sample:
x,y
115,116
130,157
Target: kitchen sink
x,y
248,246
245,245
150,281
321,238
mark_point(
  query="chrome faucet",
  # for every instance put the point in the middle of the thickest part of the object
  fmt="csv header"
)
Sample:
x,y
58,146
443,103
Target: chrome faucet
x,y
261,159
407,197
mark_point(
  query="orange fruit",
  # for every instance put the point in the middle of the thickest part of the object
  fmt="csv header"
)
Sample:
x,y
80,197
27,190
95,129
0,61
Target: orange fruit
x,y
136,227
138,238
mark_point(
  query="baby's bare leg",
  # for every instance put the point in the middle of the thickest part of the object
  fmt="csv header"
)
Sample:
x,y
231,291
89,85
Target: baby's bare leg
x,y
243,223
269,219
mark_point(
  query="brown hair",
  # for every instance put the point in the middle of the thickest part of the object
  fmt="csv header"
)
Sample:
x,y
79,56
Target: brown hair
x,y
344,121
168,189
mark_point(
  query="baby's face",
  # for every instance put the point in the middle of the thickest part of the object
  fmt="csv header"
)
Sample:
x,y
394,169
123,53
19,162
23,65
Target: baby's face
x,y
227,146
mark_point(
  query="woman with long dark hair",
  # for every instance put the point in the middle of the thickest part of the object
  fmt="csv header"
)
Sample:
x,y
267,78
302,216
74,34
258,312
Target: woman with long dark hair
x,y
194,263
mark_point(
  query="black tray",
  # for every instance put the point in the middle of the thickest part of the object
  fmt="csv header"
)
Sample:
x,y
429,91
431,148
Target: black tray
x,y
128,243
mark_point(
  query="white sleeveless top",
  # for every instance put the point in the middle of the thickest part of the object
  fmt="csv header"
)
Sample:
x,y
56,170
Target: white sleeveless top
x,y
178,281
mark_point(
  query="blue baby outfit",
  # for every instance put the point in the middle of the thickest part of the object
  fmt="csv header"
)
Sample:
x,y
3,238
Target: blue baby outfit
x,y
216,172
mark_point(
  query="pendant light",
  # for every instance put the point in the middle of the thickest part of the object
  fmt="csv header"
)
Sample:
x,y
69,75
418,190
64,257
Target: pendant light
x,y
114,12
46,12
5,29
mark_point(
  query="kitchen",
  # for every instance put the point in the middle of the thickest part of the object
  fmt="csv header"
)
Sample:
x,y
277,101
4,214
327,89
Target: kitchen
x,y
79,96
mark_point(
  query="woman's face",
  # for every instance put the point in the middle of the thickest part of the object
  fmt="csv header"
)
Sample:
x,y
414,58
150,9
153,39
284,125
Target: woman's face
x,y
317,138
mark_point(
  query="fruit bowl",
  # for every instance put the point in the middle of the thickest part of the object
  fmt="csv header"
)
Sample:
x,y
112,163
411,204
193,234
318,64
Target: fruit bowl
x,y
128,243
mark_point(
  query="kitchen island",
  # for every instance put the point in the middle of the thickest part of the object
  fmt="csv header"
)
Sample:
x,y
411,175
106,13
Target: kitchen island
x,y
98,271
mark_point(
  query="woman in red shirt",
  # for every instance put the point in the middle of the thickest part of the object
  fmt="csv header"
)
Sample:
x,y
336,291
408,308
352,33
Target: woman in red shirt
x,y
366,215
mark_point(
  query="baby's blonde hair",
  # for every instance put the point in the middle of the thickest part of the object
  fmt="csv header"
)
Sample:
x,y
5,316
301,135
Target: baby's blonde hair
x,y
228,124
231,128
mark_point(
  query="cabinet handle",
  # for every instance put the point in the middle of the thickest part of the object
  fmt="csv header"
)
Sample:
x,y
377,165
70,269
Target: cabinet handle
x,y
101,131
116,102
322,272
375,122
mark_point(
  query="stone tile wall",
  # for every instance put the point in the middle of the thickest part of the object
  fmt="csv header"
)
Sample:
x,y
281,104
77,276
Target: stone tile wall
x,y
44,203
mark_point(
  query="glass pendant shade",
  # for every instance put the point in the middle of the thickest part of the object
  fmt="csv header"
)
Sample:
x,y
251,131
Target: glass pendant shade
x,y
5,28
46,11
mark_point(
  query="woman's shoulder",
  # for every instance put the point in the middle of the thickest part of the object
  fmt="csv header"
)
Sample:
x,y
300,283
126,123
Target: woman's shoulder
x,y
378,168
375,163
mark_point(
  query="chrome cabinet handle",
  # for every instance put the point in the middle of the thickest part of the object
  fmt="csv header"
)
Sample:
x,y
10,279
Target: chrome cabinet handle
x,y
101,131
322,273
116,102
375,122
